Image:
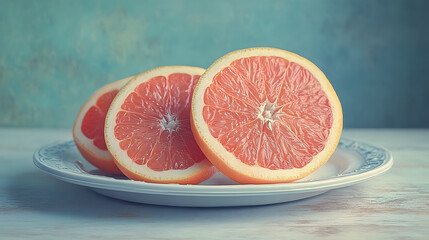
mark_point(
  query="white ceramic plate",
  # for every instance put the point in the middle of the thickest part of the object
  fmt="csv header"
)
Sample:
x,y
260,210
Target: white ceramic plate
x,y
352,162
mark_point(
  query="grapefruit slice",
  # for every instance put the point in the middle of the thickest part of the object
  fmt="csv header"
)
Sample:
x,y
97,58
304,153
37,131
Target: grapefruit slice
x,y
88,128
265,115
148,129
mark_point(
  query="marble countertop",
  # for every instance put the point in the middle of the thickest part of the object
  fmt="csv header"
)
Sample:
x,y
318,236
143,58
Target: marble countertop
x,y
395,205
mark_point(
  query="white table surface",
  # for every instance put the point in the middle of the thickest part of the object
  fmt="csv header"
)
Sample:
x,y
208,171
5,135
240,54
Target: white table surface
x,y
395,205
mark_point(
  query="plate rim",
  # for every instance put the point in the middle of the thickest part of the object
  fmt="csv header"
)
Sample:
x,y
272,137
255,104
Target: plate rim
x,y
127,185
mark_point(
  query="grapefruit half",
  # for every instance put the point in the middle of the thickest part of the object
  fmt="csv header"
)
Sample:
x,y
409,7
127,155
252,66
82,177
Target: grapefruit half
x,y
148,129
265,115
88,128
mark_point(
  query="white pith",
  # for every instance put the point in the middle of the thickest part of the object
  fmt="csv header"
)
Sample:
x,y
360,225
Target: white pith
x,y
255,170
268,113
170,123
79,137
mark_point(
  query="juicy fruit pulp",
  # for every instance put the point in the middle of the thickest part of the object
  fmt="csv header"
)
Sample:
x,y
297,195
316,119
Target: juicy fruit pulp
x,y
92,126
88,128
268,111
153,123
265,115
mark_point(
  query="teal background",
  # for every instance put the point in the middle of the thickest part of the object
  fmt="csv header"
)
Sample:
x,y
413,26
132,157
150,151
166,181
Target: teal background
x,y
54,54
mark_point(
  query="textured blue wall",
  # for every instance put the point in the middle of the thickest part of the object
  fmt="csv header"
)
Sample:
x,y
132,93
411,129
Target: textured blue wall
x,y
54,54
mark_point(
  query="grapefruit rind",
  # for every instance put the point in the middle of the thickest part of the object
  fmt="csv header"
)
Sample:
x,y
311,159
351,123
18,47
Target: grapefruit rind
x,y
225,161
97,157
195,174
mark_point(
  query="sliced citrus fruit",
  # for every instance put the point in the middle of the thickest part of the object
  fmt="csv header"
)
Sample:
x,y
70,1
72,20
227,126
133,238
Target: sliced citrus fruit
x,y
265,115
88,128
148,130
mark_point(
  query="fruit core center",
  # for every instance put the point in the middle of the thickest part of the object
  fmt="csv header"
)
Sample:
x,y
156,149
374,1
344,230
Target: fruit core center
x,y
269,112
170,123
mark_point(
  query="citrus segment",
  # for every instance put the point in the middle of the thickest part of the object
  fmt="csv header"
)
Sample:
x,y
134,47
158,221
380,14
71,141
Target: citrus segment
x,y
91,126
88,128
148,128
266,115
